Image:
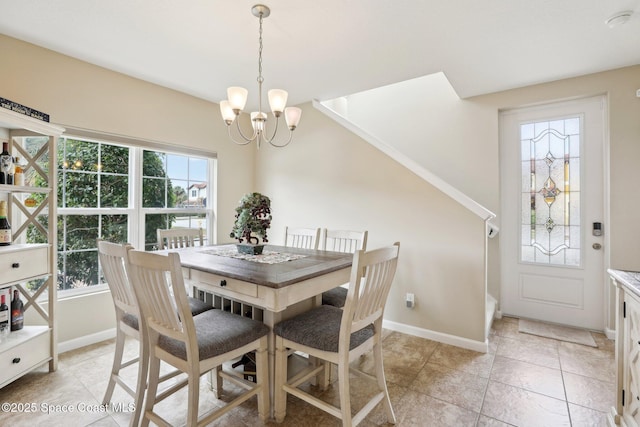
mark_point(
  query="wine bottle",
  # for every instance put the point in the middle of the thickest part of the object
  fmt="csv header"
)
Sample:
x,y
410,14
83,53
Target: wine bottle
x,y
6,161
4,313
5,226
12,170
18,174
17,312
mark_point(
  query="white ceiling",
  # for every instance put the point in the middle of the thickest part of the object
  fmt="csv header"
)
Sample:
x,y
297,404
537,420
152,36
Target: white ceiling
x,y
322,50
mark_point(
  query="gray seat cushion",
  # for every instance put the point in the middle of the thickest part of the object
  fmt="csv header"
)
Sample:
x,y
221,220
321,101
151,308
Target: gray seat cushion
x,y
320,328
131,320
217,332
335,297
197,307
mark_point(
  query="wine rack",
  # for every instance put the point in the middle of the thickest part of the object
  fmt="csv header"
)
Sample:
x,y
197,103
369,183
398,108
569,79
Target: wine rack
x,y
29,263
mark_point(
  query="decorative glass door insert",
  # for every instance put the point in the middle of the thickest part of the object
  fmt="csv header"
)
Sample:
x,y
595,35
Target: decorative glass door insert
x,y
550,196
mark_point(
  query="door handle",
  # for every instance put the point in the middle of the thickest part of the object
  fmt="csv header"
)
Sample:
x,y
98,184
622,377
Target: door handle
x,y
596,246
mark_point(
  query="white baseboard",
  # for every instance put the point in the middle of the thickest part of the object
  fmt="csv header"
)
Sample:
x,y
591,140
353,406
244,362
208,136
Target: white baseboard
x,y
610,333
86,340
479,346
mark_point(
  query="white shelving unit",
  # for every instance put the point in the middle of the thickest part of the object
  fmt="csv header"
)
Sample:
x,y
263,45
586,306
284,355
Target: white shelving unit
x,y
30,267
626,412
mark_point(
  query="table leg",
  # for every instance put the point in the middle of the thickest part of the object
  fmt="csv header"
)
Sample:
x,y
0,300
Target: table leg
x,y
270,319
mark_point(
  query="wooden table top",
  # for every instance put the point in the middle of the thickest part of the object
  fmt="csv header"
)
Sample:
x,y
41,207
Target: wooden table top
x,y
314,264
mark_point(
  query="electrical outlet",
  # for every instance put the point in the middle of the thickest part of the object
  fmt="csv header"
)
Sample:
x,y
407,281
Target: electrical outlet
x,y
411,300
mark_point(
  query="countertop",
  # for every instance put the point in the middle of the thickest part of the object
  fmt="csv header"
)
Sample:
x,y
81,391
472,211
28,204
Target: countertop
x,y
628,279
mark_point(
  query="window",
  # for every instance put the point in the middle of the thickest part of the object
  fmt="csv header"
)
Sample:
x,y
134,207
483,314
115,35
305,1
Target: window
x,y
122,193
167,201
551,192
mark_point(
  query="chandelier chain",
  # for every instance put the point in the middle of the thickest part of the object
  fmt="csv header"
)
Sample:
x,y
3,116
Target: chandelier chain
x,y
260,78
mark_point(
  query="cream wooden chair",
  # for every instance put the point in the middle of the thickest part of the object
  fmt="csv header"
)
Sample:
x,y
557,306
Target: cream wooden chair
x,y
341,241
340,336
305,238
194,345
180,237
113,260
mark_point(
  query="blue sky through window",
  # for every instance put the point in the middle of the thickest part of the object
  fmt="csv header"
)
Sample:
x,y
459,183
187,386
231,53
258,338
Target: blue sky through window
x,y
186,168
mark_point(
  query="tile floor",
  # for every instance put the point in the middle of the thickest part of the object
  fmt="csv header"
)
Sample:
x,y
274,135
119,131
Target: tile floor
x,y
524,380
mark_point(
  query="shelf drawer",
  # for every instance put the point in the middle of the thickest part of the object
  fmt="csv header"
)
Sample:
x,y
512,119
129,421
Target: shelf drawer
x,y
224,285
23,357
24,263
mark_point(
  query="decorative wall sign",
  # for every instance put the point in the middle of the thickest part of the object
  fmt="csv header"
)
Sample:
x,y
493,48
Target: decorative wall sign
x,y
19,108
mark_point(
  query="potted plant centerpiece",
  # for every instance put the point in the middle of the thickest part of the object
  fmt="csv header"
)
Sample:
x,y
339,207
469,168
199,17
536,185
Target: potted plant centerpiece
x,y
253,219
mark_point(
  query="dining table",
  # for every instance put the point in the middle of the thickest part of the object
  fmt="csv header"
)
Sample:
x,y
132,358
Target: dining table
x,y
279,283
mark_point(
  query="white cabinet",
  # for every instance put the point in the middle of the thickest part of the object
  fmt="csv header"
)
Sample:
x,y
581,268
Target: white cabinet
x,y
626,413
29,263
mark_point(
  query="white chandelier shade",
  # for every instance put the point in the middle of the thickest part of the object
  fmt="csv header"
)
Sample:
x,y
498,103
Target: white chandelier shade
x,y
237,97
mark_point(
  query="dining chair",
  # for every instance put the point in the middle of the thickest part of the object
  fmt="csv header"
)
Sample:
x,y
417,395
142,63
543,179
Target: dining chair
x,y
179,237
193,345
341,241
113,261
340,336
305,238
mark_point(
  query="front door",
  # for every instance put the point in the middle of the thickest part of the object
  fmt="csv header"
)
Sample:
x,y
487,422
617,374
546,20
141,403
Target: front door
x,y
552,202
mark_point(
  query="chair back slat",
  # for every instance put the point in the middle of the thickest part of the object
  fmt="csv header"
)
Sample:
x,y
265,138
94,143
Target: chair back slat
x,y
304,238
176,238
344,240
371,278
372,302
159,286
113,258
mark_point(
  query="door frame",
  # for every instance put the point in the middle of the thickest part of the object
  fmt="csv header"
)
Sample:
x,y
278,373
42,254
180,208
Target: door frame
x,y
608,297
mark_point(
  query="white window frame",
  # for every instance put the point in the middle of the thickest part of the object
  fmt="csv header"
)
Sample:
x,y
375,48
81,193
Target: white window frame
x,y
136,229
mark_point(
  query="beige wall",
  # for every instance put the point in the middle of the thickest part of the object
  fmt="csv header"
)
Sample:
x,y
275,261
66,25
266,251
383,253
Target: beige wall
x,y
84,96
620,86
446,135
452,138
329,177
624,141
458,140
81,95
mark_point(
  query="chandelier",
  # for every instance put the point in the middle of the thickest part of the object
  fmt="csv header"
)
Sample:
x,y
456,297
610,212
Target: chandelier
x,y
237,98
